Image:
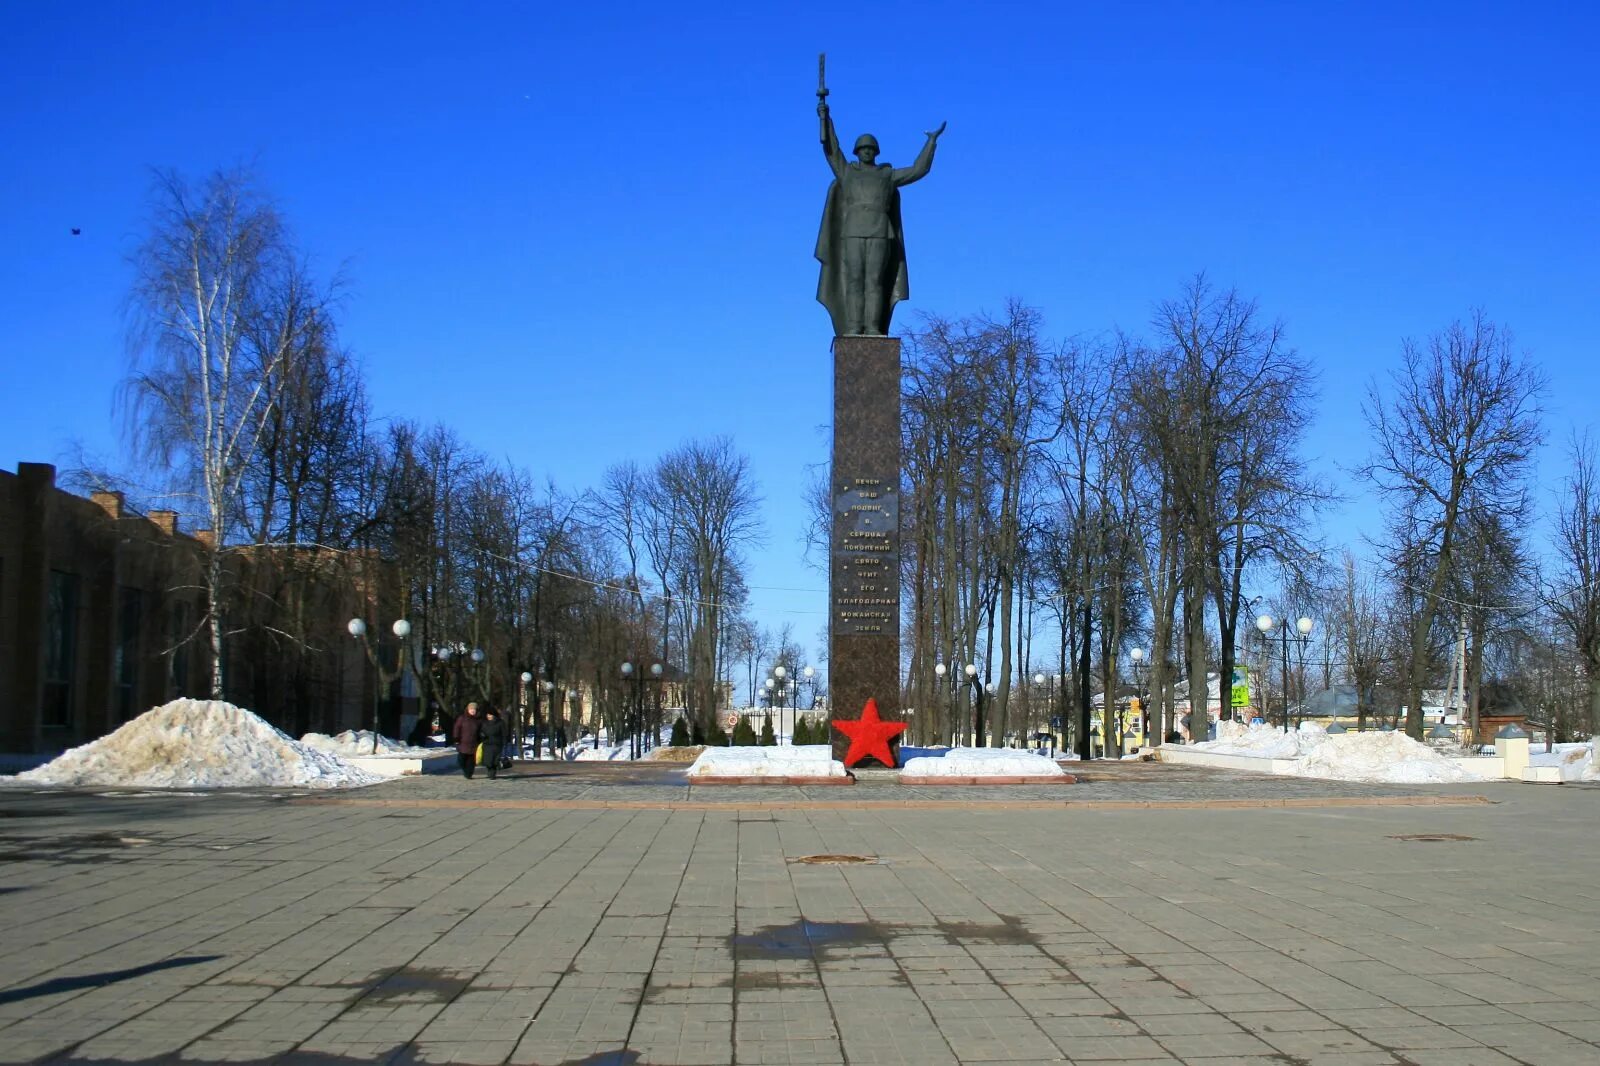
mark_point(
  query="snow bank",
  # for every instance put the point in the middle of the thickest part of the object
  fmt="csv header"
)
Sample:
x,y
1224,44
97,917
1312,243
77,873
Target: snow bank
x,y
1391,758
359,742
1373,756
1264,741
981,762
807,760
1576,761
198,744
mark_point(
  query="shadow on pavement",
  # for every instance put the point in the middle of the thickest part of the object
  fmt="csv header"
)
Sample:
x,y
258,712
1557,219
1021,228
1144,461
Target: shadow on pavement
x,y
98,980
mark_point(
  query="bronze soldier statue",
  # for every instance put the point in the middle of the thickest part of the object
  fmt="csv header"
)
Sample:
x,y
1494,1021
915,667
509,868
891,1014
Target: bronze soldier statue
x,y
861,244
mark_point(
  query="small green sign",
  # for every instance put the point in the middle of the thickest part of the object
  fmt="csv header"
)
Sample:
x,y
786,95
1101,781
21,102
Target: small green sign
x,y
1241,686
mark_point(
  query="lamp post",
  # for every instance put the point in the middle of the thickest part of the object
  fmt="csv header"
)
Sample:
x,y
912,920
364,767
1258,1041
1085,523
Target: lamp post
x,y
1266,623
632,716
1140,667
970,671
522,712
807,676
550,718
1040,682
780,673
1048,683
944,676
654,736
401,629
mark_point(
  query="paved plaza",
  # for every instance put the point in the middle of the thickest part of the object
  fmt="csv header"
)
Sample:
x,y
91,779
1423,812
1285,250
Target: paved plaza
x,y
601,914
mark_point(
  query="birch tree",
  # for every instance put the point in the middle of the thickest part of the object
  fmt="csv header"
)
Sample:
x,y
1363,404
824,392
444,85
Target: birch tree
x,y
219,304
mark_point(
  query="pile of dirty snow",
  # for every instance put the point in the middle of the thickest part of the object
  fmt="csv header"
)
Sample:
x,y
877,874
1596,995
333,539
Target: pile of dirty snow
x,y
359,742
1390,758
581,752
981,762
807,760
688,753
197,744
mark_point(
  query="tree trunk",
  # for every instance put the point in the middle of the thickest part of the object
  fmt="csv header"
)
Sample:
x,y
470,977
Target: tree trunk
x,y
1194,611
1003,689
1594,714
214,602
1085,711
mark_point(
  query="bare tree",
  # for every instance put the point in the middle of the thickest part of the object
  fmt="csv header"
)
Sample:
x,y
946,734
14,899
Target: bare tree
x,y
705,487
1456,433
1358,621
220,305
1575,597
1243,395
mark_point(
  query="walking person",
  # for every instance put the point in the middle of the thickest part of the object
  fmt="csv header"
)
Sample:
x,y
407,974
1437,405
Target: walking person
x,y
494,740
467,733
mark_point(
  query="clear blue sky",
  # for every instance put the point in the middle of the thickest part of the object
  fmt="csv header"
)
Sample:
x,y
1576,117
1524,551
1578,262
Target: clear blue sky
x,y
581,234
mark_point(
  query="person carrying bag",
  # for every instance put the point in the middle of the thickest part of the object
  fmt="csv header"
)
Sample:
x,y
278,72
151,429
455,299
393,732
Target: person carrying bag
x,y
493,737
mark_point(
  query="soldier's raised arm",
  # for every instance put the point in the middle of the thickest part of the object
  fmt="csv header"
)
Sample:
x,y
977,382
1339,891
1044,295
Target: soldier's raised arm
x,y
830,140
924,163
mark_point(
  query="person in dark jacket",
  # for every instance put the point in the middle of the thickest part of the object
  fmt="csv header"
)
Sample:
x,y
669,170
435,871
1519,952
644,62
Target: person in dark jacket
x,y
467,733
494,740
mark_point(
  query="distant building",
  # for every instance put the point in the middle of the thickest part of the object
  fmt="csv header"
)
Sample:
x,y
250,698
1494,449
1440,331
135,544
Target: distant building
x,y
1498,707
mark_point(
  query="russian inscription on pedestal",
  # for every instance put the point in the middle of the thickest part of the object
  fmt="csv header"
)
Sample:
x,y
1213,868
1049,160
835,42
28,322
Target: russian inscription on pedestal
x,y
866,598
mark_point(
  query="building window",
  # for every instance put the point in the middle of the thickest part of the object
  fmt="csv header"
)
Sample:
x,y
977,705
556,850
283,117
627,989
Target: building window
x,y
61,645
130,612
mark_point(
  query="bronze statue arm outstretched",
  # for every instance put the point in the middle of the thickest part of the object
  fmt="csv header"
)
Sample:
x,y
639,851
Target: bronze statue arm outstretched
x,y
924,163
830,141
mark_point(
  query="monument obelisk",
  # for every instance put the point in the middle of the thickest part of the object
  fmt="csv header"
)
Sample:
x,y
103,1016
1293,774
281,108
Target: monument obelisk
x,y
861,246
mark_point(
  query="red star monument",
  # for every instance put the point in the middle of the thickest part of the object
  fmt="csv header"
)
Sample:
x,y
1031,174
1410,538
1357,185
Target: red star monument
x,y
869,736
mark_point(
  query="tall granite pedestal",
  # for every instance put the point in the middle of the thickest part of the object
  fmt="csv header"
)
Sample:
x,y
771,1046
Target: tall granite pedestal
x,y
864,546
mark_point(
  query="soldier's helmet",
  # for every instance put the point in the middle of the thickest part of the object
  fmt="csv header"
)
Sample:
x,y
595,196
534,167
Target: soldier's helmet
x,y
864,140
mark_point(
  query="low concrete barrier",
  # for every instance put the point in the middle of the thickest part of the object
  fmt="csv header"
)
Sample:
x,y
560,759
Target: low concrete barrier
x,y
1184,755
1487,767
404,766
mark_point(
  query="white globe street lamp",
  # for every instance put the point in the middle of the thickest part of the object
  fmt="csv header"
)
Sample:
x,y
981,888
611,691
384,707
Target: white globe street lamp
x,y
1136,657
357,628
1302,626
633,731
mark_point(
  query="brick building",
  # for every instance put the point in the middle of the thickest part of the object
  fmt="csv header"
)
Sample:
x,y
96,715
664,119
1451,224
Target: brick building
x,y
100,613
